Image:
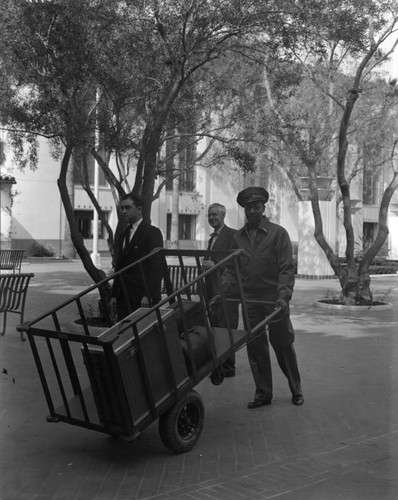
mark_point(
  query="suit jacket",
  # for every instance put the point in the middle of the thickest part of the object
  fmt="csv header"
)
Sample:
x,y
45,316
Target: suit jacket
x,y
145,239
224,241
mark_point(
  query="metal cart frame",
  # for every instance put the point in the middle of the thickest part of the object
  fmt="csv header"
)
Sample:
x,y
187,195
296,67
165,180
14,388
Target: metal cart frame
x,y
144,367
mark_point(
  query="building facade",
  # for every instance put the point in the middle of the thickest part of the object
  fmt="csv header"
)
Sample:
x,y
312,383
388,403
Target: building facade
x,y
36,220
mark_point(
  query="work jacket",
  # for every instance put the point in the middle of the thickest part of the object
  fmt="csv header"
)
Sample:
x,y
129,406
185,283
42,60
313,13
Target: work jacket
x,y
266,264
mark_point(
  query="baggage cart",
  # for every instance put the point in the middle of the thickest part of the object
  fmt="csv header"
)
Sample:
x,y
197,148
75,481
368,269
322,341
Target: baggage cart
x,y
144,367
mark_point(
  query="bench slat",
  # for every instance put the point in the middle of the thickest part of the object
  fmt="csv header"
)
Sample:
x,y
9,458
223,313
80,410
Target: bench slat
x,y
11,259
176,277
13,291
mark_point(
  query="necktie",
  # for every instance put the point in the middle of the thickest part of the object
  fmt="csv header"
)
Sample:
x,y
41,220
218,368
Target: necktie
x,y
211,240
126,239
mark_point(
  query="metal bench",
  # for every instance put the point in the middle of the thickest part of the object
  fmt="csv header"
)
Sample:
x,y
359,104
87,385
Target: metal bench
x,y
13,291
180,276
11,260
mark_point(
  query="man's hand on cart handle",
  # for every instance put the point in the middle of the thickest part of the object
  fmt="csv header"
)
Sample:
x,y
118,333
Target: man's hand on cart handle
x,y
112,306
284,307
207,264
145,302
215,301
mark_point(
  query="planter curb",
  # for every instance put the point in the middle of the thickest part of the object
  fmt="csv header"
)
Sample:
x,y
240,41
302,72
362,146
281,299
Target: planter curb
x,y
341,307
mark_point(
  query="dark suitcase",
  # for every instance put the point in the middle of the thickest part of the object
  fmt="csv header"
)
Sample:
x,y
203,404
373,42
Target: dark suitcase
x,y
196,340
139,376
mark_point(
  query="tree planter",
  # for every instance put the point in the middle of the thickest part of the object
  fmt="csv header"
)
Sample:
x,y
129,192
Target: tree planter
x,y
333,305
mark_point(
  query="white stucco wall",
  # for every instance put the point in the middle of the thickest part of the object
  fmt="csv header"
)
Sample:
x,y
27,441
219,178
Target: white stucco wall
x,y
6,188
393,232
290,215
312,261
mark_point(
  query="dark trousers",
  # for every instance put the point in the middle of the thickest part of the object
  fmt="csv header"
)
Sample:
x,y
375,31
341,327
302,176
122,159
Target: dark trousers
x,y
232,310
281,337
123,310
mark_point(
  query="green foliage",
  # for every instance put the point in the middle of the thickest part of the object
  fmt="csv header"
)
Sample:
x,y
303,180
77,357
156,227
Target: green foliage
x,y
49,56
386,269
141,57
39,250
25,148
243,158
2,152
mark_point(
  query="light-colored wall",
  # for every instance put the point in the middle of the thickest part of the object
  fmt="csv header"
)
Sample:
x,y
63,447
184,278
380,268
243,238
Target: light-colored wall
x,y
38,214
393,233
290,215
312,261
6,188
36,211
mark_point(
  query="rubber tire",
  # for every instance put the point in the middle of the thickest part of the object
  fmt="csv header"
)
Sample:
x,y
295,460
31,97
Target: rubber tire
x,y
181,426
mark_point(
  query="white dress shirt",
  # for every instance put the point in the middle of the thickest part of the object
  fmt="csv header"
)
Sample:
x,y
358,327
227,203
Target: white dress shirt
x,y
133,228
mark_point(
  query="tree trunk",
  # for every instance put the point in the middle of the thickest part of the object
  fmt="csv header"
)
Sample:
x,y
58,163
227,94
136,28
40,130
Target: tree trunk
x,y
95,202
318,233
96,274
152,142
382,231
364,292
148,183
356,286
68,250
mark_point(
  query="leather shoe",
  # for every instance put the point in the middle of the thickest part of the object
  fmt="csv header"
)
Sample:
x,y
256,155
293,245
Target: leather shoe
x,y
229,373
258,402
298,400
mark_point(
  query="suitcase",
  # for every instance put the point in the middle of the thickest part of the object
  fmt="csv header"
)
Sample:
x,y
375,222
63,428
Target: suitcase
x,y
199,344
141,375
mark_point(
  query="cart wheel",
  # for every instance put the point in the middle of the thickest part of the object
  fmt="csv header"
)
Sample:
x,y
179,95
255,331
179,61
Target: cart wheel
x,y
217,376
181,426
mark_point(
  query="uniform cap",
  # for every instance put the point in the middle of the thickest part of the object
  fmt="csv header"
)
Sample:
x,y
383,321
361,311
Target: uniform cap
x,y
251,195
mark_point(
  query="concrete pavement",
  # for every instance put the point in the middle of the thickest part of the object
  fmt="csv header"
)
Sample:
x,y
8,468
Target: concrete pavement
x,y
342,444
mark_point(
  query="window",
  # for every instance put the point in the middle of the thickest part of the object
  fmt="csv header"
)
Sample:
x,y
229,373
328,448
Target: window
x,y
183,161
187,227
369,231
170,145
90,168
168,227
84,219
187,180
372,185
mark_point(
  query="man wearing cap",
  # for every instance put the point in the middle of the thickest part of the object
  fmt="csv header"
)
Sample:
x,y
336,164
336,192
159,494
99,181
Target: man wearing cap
x,y
268,274
220,239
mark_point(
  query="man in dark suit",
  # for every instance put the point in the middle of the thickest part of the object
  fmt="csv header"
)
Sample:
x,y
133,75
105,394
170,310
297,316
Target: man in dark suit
x,y
220,239
137,241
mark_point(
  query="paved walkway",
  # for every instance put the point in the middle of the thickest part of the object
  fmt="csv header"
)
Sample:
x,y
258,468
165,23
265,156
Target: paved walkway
x,y
342,444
